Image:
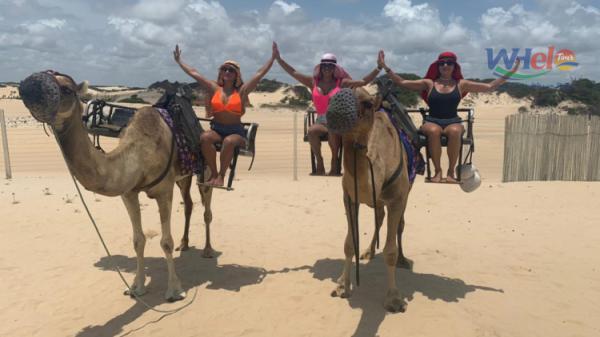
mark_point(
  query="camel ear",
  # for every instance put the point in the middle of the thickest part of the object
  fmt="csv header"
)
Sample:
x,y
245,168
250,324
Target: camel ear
x,y
82,88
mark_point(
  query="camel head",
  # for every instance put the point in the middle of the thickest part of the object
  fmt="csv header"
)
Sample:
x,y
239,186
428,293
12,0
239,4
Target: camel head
x,y
352,110
52,97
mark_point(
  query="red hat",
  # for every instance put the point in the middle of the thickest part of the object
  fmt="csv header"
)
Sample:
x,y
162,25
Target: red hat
x,y
434,71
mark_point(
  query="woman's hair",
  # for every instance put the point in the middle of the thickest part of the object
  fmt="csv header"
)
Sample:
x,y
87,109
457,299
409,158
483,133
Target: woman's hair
x,y
238,79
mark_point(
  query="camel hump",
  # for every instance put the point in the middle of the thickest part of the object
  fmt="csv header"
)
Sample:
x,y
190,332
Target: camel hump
x,y
147,121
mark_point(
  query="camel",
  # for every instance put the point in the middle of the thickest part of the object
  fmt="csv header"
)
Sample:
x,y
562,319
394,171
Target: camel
x,y
372,137
144,161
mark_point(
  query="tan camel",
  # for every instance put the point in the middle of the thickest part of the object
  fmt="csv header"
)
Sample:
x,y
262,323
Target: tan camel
x,y
375,139
144,154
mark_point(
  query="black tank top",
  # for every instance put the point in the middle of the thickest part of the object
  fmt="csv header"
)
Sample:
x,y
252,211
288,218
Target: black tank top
x,y
443,106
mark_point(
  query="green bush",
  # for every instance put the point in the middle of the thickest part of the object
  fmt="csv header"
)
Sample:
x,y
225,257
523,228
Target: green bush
x,y
266,85
405,96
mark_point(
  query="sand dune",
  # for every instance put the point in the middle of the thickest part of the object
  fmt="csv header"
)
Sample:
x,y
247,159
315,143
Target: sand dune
x,y
510,259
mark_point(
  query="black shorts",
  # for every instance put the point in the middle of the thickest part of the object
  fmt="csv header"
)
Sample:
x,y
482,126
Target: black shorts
x,y
443,122
225,130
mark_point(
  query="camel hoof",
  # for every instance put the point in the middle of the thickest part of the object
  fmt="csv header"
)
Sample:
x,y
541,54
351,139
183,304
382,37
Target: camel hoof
x,y
394,302
208,253
341,291
367,255
175,295
135,291
183,246
404,263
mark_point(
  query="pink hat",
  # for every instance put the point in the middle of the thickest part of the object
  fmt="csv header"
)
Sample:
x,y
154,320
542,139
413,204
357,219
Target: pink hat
x,y
329,58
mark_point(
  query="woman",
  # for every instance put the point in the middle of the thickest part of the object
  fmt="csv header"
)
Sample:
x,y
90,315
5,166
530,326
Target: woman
x,y
327,79
229,97
442,88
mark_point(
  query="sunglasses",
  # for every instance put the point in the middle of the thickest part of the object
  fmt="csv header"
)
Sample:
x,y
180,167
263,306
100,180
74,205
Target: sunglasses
x,y
446,63
228,70
327,66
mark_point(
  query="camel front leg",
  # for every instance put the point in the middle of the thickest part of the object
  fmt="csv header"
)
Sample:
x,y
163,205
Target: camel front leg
x,y
184,186
370,252
403,262
206,196
174,290
393,299
132,203
343,288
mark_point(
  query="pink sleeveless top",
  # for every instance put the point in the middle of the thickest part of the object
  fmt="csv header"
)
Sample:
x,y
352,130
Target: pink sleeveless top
x,y
321,101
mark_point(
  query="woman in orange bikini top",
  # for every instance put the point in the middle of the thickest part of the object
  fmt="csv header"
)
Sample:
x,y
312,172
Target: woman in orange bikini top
x,y
228,98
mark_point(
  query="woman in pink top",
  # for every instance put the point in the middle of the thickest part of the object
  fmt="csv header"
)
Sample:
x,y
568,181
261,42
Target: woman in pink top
x,y
328,77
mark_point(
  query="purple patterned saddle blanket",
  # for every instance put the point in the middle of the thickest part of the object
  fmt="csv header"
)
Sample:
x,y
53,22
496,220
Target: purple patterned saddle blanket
x,y
188,160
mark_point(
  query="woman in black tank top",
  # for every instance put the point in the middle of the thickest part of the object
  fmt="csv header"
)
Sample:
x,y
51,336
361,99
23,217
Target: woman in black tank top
x,y
442,88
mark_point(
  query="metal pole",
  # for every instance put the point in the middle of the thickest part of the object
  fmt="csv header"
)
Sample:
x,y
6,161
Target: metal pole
x,y
5,146
295,145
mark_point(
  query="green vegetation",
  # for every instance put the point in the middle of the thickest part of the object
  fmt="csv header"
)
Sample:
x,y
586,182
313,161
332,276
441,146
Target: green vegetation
x,y
266,85
406,97
133,99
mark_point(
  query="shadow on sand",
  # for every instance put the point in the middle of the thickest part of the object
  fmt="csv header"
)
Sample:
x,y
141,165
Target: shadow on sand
x,y
370,295
193,270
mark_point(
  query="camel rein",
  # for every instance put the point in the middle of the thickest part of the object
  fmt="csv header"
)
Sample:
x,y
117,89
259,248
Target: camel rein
x,y
354,213
354,217
110,257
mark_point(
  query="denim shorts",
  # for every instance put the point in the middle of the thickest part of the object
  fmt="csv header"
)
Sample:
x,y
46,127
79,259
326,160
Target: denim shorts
x,y
225,130
443,122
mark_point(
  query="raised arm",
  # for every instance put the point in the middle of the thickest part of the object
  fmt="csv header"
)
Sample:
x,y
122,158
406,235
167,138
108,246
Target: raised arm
x,y
249,86
365,80
472,86
304,79
416,85
206,83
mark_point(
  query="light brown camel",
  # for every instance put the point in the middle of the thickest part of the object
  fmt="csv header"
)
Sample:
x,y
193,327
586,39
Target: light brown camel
x,y
144,154
375,138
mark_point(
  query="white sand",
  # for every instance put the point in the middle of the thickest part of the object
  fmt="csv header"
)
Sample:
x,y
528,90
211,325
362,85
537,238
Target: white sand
x,y
514,259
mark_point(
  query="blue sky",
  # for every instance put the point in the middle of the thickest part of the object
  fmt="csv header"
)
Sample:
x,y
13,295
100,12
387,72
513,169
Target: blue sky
x,y
131,41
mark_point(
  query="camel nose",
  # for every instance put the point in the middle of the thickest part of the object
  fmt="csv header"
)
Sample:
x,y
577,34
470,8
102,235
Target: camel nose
x,y
41,95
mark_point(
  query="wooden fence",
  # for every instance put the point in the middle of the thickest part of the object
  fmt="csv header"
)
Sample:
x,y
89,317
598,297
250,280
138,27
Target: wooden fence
x,y
551,147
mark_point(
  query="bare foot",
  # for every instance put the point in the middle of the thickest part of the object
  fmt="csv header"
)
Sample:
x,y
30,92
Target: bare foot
x,y
436,178
218,181
451,180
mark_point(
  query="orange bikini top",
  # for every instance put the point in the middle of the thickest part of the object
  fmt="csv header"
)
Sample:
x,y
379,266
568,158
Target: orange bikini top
x,y
234,104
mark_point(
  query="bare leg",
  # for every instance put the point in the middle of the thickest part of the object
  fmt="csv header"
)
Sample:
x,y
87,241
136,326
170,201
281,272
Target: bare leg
x,y
132,204
334,143
184,186
454,133
434,146
314,138
229,144
343,288
207,141
370,252
174,290
206,195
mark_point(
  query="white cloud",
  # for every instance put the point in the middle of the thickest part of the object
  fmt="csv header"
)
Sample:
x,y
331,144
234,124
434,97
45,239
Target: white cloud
x,y
137,39
403,10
